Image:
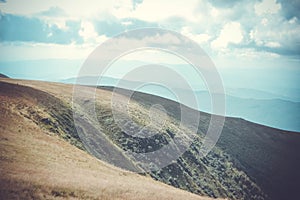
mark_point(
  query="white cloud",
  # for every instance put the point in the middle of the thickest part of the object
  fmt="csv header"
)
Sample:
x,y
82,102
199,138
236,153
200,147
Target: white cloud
x,y
275,32
60,23
253,54
214,12
267,7
231,33
122,8
126,23
149,10
75,10
199,38
269,27
264,21
273,44
293,20
37,51
87,31
156,11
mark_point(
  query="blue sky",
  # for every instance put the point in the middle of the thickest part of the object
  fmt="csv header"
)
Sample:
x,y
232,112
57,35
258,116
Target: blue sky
x,y
252,43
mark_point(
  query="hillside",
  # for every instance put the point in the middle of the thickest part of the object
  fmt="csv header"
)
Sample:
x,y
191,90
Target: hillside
x,y
250,161
3,76
260,155
36,162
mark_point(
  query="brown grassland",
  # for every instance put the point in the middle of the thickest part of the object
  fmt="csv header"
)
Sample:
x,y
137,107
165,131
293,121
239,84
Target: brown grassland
x,y
37,164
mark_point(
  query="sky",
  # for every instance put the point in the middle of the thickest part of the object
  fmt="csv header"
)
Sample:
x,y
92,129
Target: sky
x,y
254,44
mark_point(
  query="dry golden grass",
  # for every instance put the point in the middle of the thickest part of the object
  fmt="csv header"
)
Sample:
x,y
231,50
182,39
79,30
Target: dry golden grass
x,y
35,164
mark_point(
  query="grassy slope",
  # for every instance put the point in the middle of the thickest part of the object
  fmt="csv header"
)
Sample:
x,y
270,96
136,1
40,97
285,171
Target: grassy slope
x,y
214,175
268,156
37,164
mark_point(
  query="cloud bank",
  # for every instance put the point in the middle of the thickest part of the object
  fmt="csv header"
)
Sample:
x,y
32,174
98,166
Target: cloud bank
x,y
220,27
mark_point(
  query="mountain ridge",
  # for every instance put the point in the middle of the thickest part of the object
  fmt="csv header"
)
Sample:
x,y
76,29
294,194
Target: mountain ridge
x,y
266,111
236,136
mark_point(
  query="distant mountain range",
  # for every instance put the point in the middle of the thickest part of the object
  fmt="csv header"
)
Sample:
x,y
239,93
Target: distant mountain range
x,y
268,112
253,105
247,93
